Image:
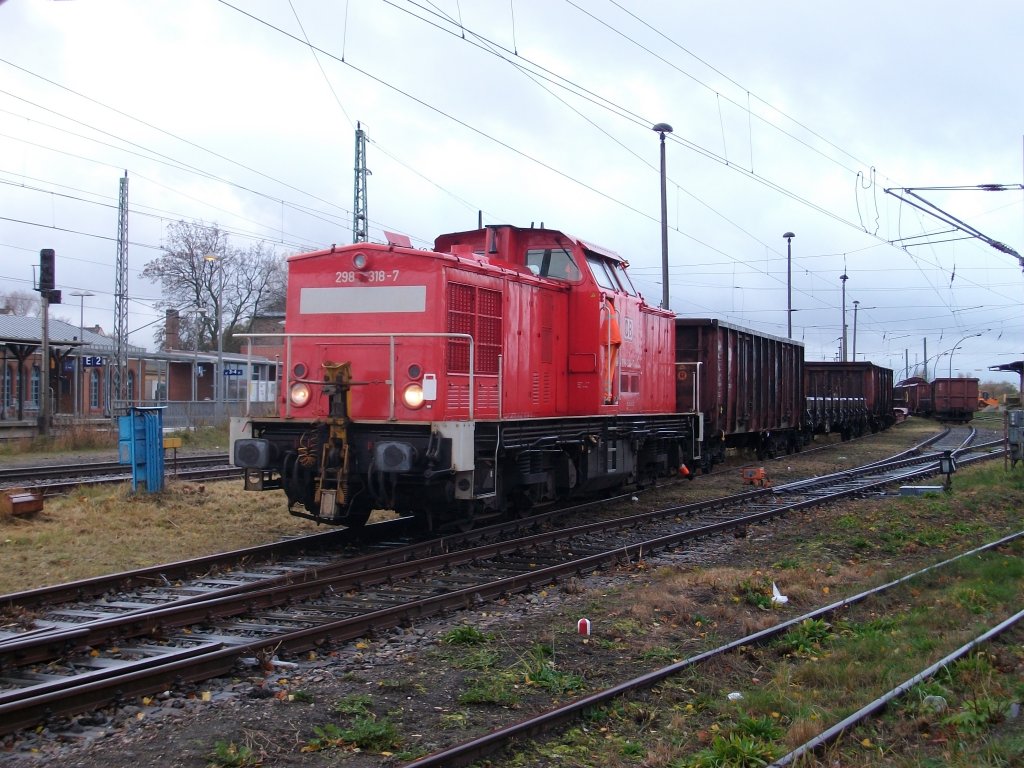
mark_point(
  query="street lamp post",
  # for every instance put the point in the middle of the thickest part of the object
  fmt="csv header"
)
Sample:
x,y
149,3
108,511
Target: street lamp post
x,y
855,305
195,352
844,278
968,336
218,383
79,388
789,284
662,129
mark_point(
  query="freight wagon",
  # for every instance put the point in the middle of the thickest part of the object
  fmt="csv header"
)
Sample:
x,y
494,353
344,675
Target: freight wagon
x,y
746,384
954,399
915,394
850,398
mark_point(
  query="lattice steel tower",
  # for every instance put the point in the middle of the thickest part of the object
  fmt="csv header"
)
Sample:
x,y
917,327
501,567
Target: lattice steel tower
x,y
119,387
359,220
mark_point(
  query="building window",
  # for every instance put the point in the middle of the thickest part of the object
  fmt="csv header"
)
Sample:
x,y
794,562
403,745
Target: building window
x,y
8,389
131,386
36,387
94,389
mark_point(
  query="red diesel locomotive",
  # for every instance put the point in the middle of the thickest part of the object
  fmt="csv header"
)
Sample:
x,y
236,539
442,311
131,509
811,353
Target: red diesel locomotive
x,y
504,369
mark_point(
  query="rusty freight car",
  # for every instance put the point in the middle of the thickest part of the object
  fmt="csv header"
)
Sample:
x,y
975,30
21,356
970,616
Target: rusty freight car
x,y
914,394
746,384
849,398
954,399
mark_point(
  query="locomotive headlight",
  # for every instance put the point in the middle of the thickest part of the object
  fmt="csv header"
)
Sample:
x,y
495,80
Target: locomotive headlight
x,y
359,261
412,396
299,394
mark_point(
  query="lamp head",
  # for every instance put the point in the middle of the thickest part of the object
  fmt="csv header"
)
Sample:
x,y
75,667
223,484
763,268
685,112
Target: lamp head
x,y
662,128
788,235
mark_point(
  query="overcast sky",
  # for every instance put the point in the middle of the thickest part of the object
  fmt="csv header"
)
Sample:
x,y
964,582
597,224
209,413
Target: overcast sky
x,y
787,116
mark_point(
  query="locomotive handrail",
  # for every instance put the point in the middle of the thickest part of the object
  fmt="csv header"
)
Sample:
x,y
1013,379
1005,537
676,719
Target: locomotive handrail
x,y
391,358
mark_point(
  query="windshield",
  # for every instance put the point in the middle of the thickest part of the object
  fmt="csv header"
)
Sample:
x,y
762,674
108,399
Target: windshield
x,y
556,263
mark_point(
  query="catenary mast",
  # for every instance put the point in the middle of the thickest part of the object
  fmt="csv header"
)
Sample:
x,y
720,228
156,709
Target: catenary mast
x,y
118,391
359,213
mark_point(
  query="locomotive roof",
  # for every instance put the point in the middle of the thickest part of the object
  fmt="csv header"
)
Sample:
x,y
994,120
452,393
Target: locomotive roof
x,y
553,233
443,243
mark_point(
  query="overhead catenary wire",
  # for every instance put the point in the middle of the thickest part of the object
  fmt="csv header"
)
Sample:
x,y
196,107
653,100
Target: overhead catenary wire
x,y
723,250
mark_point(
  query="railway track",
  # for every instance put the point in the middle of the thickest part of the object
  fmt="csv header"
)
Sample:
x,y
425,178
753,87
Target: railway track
x,y
82,657
56,479
159,584
301,557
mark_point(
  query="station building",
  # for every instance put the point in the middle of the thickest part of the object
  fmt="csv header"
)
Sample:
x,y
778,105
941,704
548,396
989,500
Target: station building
x,y
79,382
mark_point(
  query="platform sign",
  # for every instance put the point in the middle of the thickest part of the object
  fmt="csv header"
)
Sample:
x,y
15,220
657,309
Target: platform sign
x,y
234,371
94,361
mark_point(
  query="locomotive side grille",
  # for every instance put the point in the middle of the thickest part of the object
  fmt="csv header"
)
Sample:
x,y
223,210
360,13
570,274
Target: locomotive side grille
x,y
478,312
488,344
461,312
490,303
488,331
541,389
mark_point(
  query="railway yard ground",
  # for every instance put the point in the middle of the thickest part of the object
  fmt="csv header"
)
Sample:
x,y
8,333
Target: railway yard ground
x,y
391,699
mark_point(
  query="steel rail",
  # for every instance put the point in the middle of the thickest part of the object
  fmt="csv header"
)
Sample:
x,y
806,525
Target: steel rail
x,y
28,473
61,488
880,703
156,574
480,748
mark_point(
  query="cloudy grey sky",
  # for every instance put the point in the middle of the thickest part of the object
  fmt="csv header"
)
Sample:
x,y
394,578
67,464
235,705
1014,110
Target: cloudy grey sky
x,y
787,116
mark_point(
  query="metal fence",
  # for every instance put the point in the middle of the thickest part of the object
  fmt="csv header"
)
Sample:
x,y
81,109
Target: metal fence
x,y
195,414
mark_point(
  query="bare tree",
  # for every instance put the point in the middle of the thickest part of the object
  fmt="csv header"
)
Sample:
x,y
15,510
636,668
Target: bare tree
x,y
20,303
200,273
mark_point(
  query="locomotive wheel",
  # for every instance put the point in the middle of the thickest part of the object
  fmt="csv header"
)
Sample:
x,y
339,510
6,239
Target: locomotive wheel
x,y
297,484
356,519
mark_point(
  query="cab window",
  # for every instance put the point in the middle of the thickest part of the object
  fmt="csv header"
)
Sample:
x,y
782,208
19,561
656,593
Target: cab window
x,y
603,273
556,263
627,284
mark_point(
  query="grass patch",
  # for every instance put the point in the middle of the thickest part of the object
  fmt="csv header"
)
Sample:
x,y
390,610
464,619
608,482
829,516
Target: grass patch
x,y
365,733
77,439
356,705
227,754
499,690
95,531
466,635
